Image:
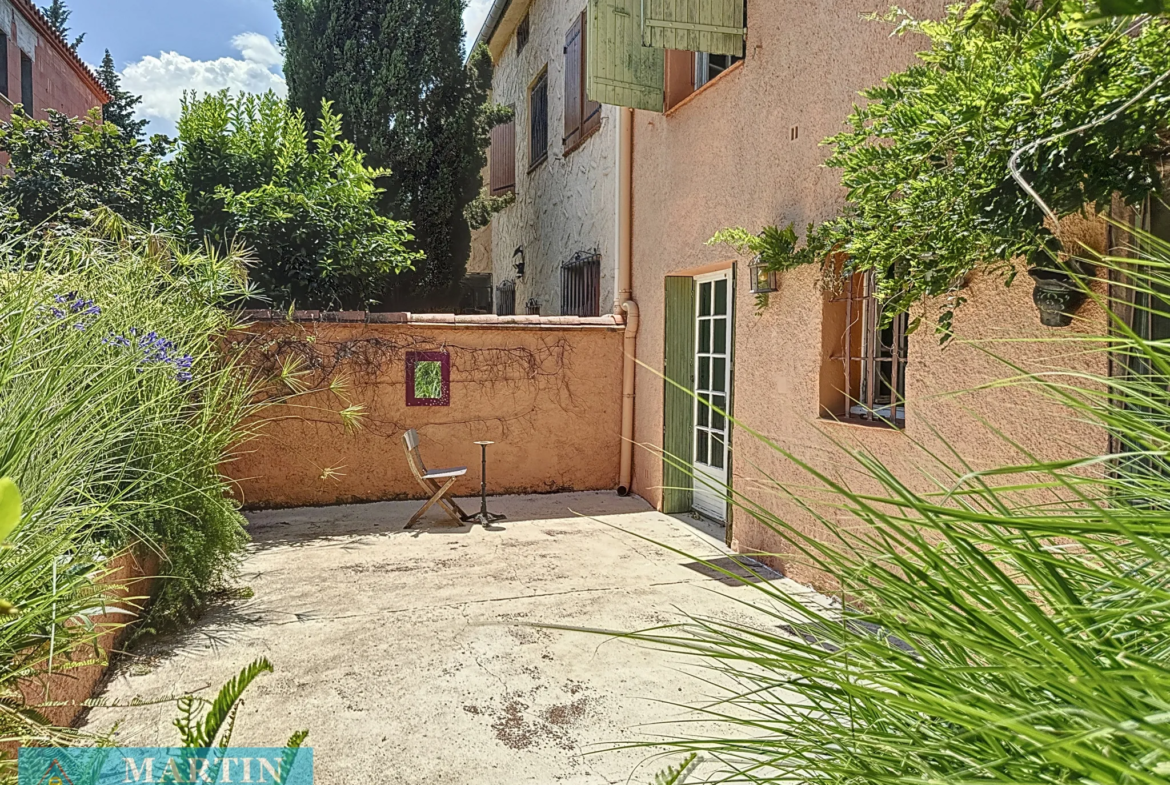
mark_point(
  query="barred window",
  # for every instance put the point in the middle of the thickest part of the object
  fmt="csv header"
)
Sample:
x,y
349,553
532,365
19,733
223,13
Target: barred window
x,y
26,84
870,358
538,121
581,285
506,299
3,64
522,31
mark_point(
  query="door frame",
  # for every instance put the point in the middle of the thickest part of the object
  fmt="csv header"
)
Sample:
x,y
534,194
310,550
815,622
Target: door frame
x,y
728,275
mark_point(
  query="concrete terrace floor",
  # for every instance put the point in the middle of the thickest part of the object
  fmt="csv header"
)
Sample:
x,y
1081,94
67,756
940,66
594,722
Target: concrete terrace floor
x,y
407,655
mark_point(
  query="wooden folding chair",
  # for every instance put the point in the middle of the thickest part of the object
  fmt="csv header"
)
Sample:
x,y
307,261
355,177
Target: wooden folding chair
x,y
429,480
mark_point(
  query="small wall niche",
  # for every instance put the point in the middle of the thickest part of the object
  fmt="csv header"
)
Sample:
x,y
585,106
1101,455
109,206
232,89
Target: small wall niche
x,y
428,379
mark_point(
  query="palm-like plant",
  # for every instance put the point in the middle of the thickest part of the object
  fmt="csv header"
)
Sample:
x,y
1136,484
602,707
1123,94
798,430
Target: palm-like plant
x,y
1010,625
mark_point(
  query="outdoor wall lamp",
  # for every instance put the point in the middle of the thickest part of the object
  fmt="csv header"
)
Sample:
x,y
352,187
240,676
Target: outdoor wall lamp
x,y
763,279
520,264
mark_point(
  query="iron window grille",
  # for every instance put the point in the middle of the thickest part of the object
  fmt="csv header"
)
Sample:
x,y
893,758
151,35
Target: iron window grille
x,y
538,122
522,31
506,299
532,307
3,64
874,356
26,84
581,285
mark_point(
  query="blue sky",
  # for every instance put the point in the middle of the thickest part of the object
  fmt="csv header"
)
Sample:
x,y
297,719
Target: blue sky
x,y
163,47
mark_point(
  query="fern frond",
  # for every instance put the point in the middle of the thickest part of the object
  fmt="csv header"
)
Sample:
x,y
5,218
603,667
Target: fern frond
x,y
289,756
677,775
224,703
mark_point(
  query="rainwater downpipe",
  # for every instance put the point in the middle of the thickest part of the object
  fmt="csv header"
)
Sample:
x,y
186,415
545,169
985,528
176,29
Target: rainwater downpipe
x,y
624,306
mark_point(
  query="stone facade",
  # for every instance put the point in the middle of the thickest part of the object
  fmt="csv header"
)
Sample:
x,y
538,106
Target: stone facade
x,y
566,204
60,80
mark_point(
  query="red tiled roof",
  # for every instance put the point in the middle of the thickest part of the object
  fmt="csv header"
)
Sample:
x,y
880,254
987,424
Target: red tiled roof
x,y
33,14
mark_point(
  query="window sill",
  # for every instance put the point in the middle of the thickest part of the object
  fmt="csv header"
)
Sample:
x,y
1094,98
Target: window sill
x,y
532,167
577,144
7,101
857,422
734,68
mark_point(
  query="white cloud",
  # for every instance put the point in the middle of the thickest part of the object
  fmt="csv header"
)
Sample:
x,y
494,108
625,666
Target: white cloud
x,y
473,16
161,80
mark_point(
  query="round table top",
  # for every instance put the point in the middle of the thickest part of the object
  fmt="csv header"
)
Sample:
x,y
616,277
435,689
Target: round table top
x,y
484,444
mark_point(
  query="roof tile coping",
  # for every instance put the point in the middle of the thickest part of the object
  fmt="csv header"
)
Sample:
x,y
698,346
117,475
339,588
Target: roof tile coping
x,y
433,319
34,14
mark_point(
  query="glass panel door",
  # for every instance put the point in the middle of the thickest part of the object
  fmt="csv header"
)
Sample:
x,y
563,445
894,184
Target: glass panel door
x,y
712,391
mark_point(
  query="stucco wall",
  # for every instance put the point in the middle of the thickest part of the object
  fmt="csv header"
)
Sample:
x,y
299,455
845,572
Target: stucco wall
x,y
57,84
546,390
725,158
567,203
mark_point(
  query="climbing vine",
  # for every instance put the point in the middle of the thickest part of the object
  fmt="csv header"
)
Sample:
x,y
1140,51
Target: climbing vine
x,y
1077,105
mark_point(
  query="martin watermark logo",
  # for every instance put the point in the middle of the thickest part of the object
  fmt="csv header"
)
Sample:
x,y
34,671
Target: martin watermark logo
x,y
163,765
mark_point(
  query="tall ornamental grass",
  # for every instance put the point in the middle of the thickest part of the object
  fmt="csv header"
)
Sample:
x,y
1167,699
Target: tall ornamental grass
x,y
118,403
1008,625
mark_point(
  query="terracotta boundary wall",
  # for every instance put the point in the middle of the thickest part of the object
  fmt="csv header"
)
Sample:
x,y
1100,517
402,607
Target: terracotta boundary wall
x,y
547,390
60,696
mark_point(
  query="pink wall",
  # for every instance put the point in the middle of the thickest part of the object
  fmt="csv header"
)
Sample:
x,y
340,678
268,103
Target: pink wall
x,y
60,79
546,389
726,158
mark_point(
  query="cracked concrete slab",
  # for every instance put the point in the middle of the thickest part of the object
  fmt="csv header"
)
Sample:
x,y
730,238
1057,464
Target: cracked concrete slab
x,y
411,655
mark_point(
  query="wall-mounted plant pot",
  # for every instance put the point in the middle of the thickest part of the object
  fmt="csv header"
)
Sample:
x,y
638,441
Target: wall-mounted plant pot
x,y
1057,296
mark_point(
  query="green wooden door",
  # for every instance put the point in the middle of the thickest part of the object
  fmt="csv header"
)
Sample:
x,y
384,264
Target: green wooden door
x,y
619,70
712,26
678,408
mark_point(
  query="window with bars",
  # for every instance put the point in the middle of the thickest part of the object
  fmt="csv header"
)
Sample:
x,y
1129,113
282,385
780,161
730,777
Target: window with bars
x,y
26,83
582,116
581,285
538,121
522,31
866,369
506,299
4,64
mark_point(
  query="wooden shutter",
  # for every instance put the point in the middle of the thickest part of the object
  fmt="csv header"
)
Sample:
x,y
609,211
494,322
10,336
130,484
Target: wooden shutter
x,y
502,160
678,407
712,26
619,70
590,110
573,91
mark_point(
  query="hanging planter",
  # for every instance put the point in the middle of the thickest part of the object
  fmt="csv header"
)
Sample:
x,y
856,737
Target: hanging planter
x,y
1057,293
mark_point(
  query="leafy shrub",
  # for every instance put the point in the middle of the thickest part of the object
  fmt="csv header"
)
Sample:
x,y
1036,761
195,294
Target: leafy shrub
x,y
305,210
65,170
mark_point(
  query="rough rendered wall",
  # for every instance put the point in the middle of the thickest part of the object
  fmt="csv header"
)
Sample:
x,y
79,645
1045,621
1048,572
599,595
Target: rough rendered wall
x,y
566,204
548,391
56,83
725,158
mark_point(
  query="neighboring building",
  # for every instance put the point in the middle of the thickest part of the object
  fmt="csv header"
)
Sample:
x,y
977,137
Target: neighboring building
x,y
39,70
553,249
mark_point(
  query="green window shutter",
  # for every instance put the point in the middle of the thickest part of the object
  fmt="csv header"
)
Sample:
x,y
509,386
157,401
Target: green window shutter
x,y
678,408
619,70
714,26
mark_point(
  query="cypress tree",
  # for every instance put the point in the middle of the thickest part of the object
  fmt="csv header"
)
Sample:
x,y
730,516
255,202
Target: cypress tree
x,y
120,109
58,15
395,71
